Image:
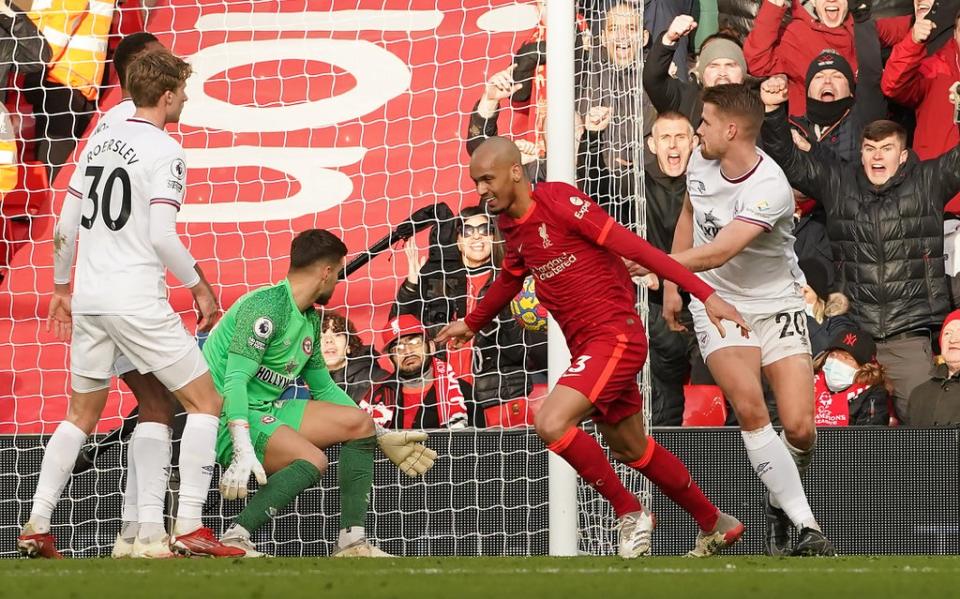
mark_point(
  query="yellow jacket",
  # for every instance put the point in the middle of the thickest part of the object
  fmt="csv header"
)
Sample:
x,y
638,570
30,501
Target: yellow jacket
x,y
77,32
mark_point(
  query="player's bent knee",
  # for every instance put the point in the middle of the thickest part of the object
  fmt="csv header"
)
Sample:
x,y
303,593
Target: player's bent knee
x,y
200,396
550,426
800,434
363,426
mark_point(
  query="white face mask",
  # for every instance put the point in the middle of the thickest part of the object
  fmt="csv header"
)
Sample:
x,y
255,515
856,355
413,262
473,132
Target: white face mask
x,y
809,309
838,375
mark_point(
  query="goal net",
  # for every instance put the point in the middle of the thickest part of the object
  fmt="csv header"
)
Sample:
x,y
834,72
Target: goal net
x,y
351,116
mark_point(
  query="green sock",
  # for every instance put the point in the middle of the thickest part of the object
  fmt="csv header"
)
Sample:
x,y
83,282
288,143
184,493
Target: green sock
x,y
281,488
356,479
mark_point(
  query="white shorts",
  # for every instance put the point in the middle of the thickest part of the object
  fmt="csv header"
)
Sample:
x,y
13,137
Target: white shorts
x,y
150,344
776,335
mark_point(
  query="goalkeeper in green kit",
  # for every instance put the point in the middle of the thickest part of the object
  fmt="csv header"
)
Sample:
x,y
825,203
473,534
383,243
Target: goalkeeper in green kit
x,y
267,339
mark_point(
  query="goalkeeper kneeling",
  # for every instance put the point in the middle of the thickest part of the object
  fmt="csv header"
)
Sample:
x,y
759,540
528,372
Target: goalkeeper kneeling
x,y
267,339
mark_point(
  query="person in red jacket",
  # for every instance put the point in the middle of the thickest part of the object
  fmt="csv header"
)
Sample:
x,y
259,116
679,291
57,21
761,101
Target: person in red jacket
x,y
773,49
923,83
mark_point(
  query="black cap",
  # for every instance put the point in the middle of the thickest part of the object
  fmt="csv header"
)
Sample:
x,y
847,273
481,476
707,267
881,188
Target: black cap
x,y
857,343
830,59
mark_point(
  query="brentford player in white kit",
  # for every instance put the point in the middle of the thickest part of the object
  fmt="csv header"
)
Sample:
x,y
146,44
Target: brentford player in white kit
x,y
122,204
736,231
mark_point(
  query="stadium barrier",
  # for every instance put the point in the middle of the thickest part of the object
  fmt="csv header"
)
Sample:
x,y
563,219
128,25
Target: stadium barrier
x,y
875,491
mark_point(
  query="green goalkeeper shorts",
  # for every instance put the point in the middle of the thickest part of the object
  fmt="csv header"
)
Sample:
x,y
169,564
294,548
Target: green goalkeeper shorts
x,y
262,426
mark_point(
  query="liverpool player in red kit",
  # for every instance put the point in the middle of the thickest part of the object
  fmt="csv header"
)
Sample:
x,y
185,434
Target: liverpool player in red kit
x,y
572,247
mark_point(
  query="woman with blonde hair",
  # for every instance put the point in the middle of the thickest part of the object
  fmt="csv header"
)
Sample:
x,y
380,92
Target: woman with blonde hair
x,y
850,387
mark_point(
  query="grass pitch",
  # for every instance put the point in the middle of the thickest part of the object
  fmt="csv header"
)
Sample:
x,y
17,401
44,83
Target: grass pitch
x,y
487,578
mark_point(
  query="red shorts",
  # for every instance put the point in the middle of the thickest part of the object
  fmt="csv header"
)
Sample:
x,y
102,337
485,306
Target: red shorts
x,y
606,372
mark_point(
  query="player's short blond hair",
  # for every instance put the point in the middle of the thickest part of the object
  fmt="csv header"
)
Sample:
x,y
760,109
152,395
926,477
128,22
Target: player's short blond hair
x,y
152,74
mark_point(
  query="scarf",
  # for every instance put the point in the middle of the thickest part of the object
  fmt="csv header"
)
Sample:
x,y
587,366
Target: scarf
x,y
826,114
833,409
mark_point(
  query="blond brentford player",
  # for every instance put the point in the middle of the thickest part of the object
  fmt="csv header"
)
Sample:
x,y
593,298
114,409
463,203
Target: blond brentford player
x,y
120,212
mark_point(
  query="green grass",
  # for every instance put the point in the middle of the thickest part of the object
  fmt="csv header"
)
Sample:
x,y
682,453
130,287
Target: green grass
x,y
487,578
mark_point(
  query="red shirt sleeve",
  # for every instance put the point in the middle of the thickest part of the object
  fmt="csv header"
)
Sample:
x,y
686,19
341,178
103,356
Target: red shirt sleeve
x,y
591,221
761,49
902,81
506,287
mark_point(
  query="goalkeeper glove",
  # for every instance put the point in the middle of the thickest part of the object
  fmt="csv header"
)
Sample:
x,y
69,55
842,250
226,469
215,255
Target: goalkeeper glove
x,y
233,483
407,451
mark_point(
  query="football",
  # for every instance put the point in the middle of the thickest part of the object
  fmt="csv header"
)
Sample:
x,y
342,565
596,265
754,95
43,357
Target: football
x,y
526,309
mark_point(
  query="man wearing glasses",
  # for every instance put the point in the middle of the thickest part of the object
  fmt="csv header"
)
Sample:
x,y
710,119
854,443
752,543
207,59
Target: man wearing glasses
x,y
424,391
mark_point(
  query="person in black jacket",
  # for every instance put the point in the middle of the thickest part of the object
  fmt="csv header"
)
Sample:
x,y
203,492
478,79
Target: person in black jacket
x,y
352,365
504,360
885,221
665,181
721,61
937,401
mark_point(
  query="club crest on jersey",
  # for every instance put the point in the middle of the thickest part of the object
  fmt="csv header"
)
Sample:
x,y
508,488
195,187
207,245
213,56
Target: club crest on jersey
x,y
263,327
709,224
696,187
308,346
178,168
543,235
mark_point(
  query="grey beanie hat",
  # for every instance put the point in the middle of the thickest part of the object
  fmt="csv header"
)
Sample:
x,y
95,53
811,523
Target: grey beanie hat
x,y
720,48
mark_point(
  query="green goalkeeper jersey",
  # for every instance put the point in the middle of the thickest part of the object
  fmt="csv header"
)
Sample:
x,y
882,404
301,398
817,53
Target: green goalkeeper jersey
x,y
260,347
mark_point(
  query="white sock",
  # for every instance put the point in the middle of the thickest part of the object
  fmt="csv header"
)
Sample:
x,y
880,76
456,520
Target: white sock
x,y
152,448
129,516
773,464
197,456
58,459
351,535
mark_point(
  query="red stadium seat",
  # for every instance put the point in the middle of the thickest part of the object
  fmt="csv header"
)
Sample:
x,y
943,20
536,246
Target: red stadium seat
x,y
703,405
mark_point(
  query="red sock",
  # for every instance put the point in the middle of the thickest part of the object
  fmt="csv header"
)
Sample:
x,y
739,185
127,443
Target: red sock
x,y
586,456
669,474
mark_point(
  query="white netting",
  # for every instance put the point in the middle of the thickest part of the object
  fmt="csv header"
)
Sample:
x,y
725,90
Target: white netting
x,y
352,116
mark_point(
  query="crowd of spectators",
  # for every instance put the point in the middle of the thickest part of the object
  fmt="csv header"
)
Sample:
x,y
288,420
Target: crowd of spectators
x,y
859,116
871,187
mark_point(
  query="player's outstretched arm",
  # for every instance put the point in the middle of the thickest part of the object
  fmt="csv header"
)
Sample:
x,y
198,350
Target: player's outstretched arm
x,y
729,242
506,286
623,242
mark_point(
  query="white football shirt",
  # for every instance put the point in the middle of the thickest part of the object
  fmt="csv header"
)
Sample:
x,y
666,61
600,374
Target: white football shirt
x,y
764,277
120,112
127,165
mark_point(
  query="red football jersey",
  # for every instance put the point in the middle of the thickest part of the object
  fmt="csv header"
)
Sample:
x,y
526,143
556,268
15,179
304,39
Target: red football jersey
x,y
572,247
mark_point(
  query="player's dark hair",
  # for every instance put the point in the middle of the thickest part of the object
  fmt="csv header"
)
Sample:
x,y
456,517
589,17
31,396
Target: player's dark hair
x,y
882,129
152,74
315,245
127,49
737,100
338,324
